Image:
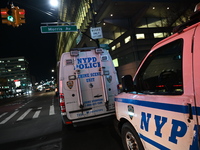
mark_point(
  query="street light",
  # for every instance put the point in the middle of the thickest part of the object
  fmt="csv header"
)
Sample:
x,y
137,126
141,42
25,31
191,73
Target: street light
x,y
54,3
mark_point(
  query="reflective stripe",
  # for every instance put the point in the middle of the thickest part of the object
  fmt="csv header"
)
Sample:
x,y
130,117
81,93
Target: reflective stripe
x,y
162,106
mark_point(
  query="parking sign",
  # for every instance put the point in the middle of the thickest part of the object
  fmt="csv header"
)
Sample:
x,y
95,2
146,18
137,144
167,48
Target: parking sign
x,y
96,33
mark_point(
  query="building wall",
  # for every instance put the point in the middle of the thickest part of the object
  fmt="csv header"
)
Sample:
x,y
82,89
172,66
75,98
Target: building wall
x,y
16,73
130,27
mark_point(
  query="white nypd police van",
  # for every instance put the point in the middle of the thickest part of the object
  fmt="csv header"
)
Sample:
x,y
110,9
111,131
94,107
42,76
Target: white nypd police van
x,y
87,85
160,107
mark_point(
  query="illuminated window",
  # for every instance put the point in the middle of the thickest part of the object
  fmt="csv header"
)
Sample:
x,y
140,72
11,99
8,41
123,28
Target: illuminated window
x,y
117,34
113,48
115,62
154,22
127,39
21,59
23,69
18,65
117,45
140,36
9,70
160,35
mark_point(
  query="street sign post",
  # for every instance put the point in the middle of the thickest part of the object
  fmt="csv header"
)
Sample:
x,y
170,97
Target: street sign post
x,y
96,33
57,29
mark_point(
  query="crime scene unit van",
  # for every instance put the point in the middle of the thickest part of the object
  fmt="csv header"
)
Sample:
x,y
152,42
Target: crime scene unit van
x,y
87,85
160,107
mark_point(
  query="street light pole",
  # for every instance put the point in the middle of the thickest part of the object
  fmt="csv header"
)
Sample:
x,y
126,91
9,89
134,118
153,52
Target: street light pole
x,y
94,21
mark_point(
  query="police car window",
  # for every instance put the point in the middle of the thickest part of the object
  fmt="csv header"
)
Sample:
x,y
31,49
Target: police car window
x,y
161,73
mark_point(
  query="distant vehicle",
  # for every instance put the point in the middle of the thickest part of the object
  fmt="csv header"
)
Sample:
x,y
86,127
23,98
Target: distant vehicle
x,y
87,85
47,88
160,106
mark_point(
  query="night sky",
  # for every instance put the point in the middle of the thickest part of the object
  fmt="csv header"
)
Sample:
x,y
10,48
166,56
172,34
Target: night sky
x,y
28,41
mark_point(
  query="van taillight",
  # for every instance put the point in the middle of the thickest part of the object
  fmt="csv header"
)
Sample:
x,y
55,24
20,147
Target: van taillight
x,y
62,103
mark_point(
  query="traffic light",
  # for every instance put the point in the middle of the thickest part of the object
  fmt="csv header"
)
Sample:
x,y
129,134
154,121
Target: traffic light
x,y
19,15
6,15
13,16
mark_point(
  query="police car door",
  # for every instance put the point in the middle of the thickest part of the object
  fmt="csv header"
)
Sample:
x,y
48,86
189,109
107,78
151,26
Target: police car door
x,y
196,75
165,98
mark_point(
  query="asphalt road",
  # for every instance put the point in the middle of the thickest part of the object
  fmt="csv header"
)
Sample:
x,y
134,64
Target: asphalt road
x,y
33,122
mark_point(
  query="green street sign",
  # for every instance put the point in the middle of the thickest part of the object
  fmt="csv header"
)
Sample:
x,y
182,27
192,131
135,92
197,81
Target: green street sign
x,y
57,29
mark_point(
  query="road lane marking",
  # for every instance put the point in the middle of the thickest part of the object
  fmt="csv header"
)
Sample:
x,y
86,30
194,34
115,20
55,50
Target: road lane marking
x,y
37,113
9,117
24,115
51,111
3,114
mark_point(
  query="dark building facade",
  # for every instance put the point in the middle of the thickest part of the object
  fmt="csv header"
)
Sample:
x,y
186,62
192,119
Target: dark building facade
x,y
14,75
130,27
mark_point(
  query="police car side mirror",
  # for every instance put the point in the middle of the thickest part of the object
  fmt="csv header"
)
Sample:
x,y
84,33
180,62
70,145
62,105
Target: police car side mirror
x,y
127,83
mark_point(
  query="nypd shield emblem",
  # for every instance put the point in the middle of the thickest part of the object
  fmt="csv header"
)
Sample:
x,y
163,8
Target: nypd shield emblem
x,y
70,84
109,78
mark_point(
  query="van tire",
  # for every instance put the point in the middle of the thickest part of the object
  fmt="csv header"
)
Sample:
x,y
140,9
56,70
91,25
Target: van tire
x,y
130,138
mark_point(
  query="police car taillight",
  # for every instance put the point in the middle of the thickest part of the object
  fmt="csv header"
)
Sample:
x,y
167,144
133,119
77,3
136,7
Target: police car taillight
x,y
62,103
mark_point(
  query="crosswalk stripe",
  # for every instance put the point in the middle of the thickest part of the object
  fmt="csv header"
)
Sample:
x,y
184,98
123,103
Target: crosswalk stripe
x,y
24,115
9,117
51,111
3,114
37,113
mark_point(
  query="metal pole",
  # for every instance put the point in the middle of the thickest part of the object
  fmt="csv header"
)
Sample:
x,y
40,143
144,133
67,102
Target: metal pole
x,y
94,21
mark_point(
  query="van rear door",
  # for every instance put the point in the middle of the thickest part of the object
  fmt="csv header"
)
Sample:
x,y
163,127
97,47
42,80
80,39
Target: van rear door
x,y
88,68
85,84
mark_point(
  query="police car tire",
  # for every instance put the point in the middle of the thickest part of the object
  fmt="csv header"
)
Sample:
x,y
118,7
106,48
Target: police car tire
x,y
129,132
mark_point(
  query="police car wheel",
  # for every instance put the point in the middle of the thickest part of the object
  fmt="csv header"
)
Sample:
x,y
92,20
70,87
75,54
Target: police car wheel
x,y
130,138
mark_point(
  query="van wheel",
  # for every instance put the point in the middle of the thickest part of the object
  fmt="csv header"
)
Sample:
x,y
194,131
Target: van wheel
x,y
130,138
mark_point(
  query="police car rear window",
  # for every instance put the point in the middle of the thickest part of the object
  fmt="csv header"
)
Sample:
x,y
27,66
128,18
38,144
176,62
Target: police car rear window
x,y
161,74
